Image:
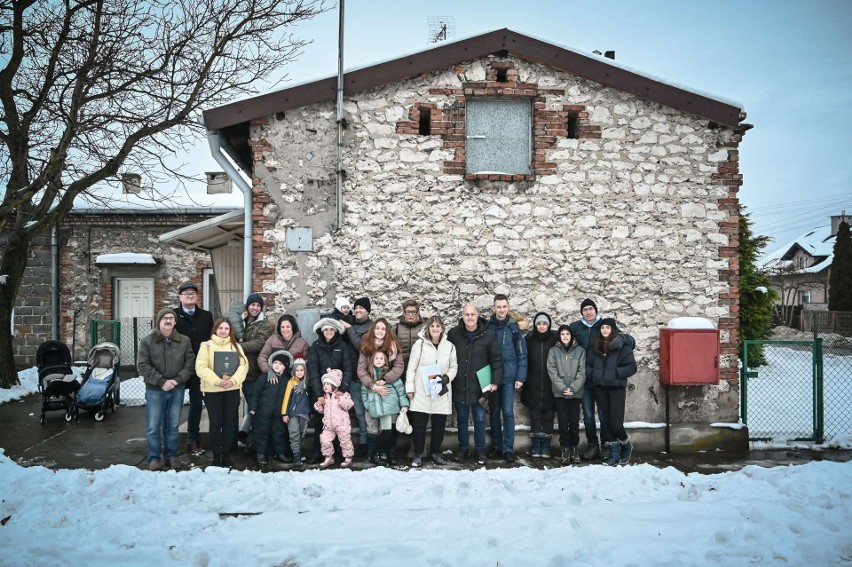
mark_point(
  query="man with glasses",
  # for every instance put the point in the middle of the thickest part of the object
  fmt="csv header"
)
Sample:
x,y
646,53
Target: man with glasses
x,y
165,361
196,324
408,327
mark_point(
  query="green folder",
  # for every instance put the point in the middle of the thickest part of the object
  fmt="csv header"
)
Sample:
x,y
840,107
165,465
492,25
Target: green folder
x,y
484,376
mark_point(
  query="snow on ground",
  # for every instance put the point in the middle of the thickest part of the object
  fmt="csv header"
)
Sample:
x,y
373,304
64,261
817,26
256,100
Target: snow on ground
x,y
593,515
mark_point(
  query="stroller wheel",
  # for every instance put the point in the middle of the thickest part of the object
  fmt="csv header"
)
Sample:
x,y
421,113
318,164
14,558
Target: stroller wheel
x,y
100,416
68,417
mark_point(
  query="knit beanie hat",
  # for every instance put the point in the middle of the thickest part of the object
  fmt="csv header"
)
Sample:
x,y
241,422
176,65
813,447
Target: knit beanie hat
x,y
332,376
281,356
586,302
363,302
162,313
300,362
341,302
254,298
609,321
542,317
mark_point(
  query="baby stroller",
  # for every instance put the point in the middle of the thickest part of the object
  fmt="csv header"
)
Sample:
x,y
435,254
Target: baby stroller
x,y
100,381
56,381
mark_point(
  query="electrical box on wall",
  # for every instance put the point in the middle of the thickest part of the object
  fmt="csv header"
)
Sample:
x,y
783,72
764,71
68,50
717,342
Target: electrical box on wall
x,y
689,357
300,239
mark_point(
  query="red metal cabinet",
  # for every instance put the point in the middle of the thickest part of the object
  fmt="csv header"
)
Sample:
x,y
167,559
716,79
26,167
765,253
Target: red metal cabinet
x,y
689,357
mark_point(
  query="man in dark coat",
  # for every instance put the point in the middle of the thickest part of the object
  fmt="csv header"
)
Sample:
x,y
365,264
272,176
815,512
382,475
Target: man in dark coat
x,y
585,331
197,324
256,329
476,349
165,361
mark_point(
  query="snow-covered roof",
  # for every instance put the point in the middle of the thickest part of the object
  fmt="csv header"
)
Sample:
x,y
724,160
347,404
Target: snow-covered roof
x,y
817,242
125,258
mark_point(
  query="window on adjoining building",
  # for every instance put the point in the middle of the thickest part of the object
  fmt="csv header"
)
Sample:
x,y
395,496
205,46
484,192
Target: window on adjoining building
x,y
806,297
499,136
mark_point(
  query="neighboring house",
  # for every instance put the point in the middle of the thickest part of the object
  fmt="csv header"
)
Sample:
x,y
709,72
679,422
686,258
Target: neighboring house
x,y
502,163
106,264
799,270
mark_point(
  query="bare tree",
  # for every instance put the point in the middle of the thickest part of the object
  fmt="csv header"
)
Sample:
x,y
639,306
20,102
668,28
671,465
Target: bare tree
x,y
92,87
790,282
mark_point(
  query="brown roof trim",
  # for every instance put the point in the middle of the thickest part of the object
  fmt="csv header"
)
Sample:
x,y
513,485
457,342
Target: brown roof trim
x,y
449,54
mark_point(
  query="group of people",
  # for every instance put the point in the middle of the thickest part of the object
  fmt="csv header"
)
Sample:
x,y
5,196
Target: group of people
x,y
398,377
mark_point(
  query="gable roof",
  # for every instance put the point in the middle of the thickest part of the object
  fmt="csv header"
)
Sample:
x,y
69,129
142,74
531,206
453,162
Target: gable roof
x,y
817,243
588,66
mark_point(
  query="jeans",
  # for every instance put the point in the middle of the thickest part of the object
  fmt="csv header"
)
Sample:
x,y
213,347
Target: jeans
x,y
503,439
355,391
162,418
462,414
193,420
589,414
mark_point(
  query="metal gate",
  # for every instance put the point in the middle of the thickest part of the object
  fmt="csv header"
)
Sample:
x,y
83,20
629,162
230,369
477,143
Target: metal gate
x,y
782,390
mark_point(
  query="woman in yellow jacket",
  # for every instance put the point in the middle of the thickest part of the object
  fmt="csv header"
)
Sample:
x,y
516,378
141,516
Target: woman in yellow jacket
x,y
222,375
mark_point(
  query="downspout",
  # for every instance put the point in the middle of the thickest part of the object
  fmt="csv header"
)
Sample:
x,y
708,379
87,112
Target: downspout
x,y
340,122
54,283
239,180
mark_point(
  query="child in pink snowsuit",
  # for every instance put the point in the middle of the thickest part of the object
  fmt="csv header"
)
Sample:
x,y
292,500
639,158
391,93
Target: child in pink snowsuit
x,y
335,406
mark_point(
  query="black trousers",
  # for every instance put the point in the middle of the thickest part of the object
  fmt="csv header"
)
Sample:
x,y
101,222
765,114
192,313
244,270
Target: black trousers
x,y
541,420
568,412
419,421
222,412
612,400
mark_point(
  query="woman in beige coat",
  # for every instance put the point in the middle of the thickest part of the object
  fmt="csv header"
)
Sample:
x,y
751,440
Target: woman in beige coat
x,y
435,399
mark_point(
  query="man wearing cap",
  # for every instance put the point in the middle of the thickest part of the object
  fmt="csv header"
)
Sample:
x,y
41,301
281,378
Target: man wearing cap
x,y
196,324
256,329
585,331
165,361
354,334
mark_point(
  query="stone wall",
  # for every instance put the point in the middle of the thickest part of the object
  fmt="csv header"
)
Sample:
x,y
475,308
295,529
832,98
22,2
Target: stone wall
x,y
633,204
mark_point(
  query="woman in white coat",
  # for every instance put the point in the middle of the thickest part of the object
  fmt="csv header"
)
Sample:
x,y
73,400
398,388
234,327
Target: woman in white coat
x,y
431,367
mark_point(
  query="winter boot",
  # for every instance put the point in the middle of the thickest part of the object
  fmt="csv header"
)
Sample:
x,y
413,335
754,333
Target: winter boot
x,y
545,445
626,450
329,460
593,451
375,450
612,450
573,455
417,461
566,456
535,439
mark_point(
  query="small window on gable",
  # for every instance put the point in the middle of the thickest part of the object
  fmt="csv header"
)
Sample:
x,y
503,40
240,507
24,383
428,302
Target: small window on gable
x,y
502,75
499,136
573,124
425,121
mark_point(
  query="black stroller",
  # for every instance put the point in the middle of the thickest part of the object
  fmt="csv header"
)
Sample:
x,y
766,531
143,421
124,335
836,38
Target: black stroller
x,y
56,381
99,390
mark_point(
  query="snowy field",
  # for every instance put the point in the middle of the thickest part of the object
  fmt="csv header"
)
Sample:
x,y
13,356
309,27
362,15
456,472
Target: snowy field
x,y
593,515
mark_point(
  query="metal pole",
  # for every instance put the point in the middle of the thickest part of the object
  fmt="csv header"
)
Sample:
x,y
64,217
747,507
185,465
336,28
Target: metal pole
x,y
340,121
668,424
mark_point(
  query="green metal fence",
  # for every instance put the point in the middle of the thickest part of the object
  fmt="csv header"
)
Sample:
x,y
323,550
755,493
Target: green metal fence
x,y
782,390
125,333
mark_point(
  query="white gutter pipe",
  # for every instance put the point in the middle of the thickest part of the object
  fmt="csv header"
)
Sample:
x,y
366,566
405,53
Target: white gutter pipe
x,y
239,180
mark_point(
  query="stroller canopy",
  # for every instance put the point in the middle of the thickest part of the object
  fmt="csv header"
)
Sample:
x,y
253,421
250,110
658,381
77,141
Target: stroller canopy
x,y
52,353
104,355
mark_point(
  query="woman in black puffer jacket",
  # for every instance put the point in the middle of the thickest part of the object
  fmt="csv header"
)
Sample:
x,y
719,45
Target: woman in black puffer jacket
x,y
609,365
537,395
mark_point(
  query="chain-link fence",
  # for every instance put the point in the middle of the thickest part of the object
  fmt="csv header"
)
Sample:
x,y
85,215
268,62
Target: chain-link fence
x,y
126,333
780,388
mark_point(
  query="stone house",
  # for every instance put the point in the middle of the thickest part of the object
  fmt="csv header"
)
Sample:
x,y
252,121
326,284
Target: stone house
x,y
106,264
505,164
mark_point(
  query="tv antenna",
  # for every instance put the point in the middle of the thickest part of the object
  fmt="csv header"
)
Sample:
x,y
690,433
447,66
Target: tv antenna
x,y
441,28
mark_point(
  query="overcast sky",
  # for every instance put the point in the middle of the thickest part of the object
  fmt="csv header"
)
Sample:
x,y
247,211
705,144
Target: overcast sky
x,y
787,62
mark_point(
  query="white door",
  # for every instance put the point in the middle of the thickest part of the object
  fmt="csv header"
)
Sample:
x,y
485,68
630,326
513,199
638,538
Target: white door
x,y
134,299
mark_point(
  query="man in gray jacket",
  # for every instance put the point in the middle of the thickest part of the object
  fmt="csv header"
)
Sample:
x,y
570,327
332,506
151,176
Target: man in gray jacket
x,y
165,361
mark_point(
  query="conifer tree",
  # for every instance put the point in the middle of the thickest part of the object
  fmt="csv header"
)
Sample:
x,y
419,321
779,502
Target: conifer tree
x,y
756,297
840,278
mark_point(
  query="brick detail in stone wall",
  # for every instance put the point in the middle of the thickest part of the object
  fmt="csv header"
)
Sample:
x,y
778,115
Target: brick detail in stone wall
x,y
728,175
261,248
548,125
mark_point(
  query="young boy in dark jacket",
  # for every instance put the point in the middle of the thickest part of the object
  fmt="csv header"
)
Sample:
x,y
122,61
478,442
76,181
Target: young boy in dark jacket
x,y
265,407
